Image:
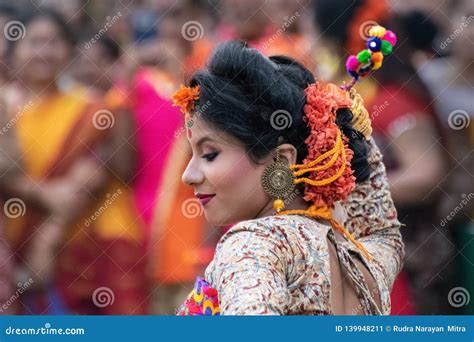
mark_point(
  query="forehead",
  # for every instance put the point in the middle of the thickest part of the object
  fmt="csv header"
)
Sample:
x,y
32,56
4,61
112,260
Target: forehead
x,y
197,129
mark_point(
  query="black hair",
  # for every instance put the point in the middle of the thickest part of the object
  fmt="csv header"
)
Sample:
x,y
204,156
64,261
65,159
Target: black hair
x,y
242,90
111,48
28,16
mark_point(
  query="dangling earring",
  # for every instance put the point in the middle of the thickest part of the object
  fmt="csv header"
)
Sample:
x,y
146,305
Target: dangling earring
x,y
277,181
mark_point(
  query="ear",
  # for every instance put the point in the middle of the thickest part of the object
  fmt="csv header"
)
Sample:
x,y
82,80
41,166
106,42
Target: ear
x,y
288,152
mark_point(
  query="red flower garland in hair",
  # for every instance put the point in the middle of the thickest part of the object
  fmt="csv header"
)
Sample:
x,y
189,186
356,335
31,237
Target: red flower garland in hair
x,y
320,115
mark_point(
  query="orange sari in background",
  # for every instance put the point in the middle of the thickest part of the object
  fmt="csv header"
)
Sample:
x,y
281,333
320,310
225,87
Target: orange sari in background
x,y
104,249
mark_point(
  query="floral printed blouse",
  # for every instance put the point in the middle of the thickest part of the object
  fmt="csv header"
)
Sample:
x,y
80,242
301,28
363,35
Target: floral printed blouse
x,y
280,265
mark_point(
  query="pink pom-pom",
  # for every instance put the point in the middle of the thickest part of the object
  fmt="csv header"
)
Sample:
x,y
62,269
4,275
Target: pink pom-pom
x,y
352,63
390,37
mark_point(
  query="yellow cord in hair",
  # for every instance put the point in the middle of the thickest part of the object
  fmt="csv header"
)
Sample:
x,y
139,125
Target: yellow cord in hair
x,y
321,157
327,180
325,213
307,167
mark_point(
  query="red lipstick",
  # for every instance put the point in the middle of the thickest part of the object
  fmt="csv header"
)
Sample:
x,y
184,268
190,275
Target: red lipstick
x,y
205,198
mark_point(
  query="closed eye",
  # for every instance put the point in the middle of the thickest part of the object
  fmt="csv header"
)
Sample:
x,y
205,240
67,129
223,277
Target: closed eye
x,y
210,156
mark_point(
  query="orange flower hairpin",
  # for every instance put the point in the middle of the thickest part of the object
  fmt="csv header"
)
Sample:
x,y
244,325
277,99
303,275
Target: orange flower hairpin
x,y
185,98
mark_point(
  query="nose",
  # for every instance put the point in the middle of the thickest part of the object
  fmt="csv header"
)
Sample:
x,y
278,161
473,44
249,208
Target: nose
x,y
192,176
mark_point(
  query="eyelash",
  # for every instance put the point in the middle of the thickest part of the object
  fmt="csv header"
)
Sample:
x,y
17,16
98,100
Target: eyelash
x,y
210,156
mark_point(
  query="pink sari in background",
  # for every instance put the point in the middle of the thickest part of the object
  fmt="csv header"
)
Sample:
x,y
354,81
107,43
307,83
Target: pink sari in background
x,y
156,123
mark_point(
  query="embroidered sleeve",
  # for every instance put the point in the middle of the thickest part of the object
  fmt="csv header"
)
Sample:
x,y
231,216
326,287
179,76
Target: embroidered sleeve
x,y
248,270
372,219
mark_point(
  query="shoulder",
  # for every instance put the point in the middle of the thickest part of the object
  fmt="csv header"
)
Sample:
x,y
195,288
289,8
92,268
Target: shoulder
x,y
285,236
284,228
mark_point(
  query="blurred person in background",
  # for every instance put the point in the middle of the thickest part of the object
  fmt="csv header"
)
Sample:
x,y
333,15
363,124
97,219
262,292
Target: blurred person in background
x,y
177,241
450,80
273,27
79,233
9,152
409,135
7,13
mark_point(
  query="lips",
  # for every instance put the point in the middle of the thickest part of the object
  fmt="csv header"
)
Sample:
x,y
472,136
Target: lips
x,y
205,198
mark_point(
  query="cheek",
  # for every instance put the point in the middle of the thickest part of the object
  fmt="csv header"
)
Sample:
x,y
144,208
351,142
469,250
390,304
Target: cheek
x,y
239,191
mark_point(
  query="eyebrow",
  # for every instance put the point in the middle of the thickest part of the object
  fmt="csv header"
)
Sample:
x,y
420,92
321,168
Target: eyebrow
x,y
203,140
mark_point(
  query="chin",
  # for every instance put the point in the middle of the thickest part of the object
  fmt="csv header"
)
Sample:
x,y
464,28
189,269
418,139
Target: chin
x,y
219,220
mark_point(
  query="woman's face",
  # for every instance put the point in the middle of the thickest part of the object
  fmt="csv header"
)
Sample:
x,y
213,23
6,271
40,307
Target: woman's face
x,y
41,55
221,168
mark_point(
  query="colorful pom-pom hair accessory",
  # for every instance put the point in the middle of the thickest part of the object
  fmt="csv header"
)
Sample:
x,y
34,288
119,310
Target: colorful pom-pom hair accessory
x,y
379,45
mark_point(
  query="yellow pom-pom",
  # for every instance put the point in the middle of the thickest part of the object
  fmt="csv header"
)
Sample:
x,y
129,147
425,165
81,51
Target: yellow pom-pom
x,y
376,66
278,205
377,31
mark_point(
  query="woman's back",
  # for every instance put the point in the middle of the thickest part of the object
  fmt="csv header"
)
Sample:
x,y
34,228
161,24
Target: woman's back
x,y
292,264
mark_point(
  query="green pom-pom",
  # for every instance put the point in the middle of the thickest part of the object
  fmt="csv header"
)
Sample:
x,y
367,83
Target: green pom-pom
x,y
386,48
364,56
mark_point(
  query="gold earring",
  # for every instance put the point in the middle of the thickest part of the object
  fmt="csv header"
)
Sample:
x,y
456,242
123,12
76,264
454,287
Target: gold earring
x,y
278,181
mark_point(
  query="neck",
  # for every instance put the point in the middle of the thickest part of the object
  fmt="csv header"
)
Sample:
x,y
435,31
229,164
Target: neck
x,y
296,203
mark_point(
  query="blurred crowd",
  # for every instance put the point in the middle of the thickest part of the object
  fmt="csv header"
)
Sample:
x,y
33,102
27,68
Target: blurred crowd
x,y
95,218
